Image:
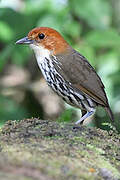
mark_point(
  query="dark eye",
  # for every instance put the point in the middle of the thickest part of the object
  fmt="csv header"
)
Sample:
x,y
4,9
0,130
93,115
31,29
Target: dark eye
x,y
41,36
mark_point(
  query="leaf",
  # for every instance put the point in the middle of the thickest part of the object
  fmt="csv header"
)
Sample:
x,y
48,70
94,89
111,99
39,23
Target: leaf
x,y
6,32
96,13
72,28
20,24
20,55
108,64
106,39
50,21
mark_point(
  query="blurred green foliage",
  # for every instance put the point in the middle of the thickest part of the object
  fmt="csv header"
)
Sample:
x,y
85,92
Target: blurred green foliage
x,y
90,26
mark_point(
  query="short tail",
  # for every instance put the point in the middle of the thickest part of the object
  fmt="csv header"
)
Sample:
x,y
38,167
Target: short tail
x,y
108,110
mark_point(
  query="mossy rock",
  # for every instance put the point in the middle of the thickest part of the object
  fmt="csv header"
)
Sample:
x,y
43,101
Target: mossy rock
x,y
34,149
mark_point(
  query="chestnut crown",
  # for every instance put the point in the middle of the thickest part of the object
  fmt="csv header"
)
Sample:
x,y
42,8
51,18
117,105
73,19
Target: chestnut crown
x,y
49,39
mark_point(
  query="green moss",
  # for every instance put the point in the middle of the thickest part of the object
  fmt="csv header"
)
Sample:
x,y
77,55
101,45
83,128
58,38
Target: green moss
x,y
43,149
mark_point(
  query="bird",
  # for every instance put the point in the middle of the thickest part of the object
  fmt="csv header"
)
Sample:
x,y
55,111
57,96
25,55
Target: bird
x,y
67,72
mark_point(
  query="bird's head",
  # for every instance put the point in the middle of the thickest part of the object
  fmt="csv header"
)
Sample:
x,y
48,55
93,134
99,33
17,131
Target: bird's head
x,y
44,38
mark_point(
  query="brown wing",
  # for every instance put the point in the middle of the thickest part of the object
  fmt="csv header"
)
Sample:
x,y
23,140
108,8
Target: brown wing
x,y
77,70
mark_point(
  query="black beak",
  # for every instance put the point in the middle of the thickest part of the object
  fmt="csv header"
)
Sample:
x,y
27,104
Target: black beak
x,y
25,40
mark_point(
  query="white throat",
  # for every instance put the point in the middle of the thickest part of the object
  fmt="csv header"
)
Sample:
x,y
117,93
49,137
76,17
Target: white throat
x,y
43,57
41,53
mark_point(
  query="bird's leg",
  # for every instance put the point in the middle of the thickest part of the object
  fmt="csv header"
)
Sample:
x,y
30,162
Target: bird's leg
x,y
84,117
83,113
